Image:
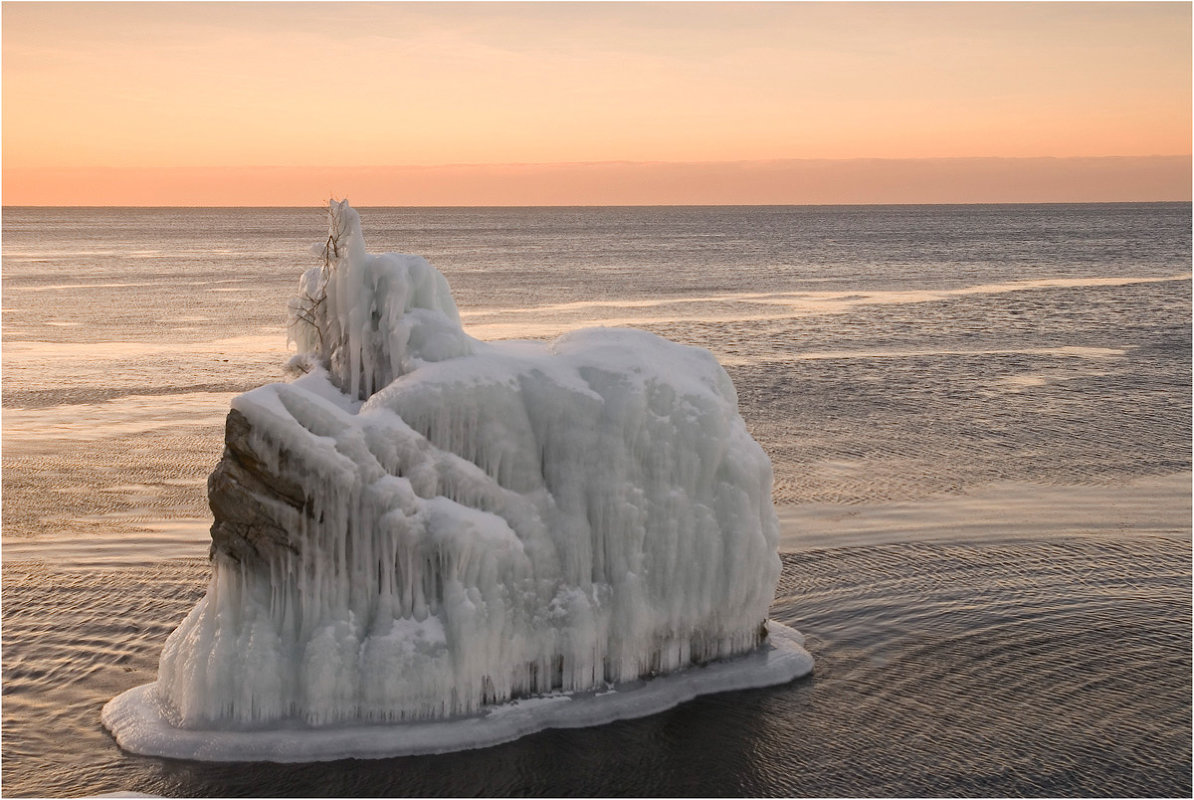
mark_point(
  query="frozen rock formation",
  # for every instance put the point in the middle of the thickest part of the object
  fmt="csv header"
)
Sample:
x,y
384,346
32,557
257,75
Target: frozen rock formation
x,y
424,525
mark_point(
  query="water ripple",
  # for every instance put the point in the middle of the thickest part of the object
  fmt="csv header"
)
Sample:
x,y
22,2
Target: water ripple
x,y
1054,667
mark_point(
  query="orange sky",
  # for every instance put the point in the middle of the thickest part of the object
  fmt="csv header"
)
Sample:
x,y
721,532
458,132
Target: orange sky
x,y
114,103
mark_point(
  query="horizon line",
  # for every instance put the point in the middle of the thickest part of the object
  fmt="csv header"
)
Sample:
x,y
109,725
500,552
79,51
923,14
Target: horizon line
x,y
6,206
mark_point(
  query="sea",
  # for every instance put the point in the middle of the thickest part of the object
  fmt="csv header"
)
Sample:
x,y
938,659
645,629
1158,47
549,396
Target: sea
x,y
979,419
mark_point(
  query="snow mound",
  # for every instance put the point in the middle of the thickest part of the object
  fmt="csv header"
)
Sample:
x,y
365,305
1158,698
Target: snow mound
x,y
424,528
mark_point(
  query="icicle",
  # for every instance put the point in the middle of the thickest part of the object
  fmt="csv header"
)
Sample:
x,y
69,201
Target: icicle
x,y
479,521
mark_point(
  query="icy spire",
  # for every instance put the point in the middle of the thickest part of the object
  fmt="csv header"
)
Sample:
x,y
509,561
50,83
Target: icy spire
x,y
368,319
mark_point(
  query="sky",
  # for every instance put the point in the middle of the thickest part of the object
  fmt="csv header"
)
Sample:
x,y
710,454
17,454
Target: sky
x,y
606,103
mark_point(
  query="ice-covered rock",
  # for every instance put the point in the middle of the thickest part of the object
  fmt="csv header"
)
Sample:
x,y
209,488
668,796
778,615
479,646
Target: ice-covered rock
x,y
424,525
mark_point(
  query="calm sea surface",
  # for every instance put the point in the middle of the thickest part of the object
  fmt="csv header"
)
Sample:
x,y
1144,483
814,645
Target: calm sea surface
x,y
900,360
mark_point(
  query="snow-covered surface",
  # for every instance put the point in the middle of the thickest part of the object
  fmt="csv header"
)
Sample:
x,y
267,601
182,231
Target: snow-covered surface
x,y
482,522
137,717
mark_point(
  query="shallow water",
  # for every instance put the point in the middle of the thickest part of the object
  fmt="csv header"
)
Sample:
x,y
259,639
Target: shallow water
x,y
979,419
1056,667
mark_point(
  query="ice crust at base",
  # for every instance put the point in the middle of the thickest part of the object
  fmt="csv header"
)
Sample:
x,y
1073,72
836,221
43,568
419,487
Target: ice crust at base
x,y
137,720
424,526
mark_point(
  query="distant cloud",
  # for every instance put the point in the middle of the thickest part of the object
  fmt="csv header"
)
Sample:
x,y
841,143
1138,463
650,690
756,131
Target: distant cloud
x,y
782,182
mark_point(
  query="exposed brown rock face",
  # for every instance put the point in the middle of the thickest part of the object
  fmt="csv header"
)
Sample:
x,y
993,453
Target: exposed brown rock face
x,y
254,507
